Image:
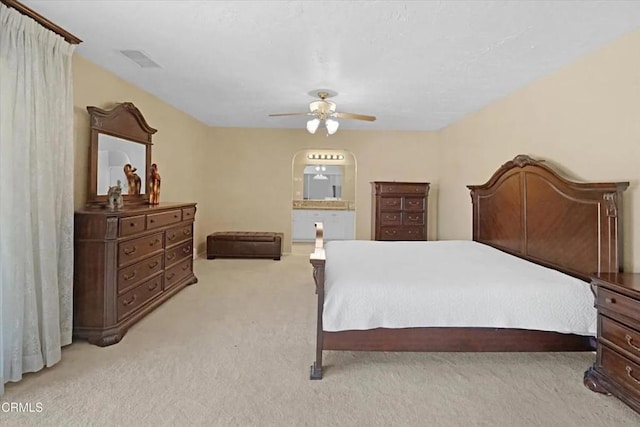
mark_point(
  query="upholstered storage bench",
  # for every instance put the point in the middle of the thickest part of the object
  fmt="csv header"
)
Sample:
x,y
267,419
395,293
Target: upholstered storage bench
x,y
244,244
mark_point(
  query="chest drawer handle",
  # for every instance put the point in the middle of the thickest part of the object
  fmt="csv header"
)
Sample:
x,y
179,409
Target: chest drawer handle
x,y
129,251
630,374
171,256
390,232
132,224
186,250
171,236
186,231
170,276
129,276
131,301
152,286
175,216
628,338
610,300
154,242
153,265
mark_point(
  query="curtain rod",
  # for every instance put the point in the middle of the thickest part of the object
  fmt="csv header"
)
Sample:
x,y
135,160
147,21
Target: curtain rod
x,y
42,20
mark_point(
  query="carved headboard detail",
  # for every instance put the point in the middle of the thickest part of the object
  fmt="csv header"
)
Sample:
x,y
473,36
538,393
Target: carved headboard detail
x,y
529,210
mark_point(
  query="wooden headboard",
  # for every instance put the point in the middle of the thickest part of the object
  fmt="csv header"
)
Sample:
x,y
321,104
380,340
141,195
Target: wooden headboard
x,y
529,210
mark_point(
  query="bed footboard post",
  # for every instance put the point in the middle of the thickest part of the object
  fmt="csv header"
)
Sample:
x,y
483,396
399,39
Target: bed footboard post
x,y
318,260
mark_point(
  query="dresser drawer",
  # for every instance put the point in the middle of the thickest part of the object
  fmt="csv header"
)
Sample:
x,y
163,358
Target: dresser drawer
x,y
138,296
162,219
178,253
131,276
414,203
173,275
391,218
617,305
178,234
404,233
413,218
188,214
391,203
132,250
132,225
621,336
621,369
402,188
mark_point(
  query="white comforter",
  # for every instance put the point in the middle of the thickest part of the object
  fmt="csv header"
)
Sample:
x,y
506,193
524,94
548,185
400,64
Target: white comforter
x,y
371,284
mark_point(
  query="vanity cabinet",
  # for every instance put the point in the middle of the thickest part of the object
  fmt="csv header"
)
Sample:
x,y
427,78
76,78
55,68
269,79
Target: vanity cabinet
x,y
127,263
338,224
399,210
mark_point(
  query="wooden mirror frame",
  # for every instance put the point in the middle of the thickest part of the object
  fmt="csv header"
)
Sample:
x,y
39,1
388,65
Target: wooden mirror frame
x,y
123,121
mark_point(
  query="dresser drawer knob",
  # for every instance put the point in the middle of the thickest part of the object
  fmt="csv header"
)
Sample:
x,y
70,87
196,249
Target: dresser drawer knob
x,y
171,256
171,236
129,276
390,232
153,265
186,231
152,286
610,300
170,276
629,340
154,242
630,374
186,250
129,251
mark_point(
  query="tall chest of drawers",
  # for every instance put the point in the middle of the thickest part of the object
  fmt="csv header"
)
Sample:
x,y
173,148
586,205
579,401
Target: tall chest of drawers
x,y
399,210
127,263
617,367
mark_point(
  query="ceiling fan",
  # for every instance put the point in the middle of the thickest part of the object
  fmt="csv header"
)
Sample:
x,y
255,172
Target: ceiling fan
x,y
325,111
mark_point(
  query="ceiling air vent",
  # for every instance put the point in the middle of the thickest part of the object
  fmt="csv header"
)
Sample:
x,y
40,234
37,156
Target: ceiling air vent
x,y
140,58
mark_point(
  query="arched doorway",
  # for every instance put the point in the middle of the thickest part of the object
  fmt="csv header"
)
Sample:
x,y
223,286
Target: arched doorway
x,y
324,190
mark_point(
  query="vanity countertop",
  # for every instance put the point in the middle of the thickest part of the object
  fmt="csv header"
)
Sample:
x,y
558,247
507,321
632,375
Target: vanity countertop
x,y
341,205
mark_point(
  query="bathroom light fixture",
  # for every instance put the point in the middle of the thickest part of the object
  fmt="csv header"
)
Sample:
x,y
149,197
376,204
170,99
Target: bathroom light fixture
x,y
313,156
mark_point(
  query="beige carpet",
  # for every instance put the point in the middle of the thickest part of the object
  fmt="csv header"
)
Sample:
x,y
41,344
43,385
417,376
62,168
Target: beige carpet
x,y
235,350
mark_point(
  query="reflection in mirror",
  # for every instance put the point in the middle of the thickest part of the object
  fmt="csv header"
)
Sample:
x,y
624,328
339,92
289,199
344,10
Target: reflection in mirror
x,y
322,182
113,155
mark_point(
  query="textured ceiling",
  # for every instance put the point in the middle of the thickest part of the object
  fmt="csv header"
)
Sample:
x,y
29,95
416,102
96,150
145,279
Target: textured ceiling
x,y
415,65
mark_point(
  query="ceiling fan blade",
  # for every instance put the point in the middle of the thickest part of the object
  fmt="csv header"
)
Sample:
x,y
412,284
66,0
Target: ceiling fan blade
x,y
354,116
290,114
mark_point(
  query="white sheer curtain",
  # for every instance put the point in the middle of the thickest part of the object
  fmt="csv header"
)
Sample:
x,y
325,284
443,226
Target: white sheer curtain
x,y
36,195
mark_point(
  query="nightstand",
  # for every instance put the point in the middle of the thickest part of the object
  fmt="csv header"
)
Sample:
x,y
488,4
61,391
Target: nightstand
x,y
617,367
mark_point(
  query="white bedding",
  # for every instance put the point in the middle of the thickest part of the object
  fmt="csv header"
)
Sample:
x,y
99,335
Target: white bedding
x,y
372,284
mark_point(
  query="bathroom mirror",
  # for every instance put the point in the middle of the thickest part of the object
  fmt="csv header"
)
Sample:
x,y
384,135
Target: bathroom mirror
x,y
120,150
322,182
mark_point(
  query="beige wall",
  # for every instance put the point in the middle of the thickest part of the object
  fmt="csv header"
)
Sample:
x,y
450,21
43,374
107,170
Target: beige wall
x,y
252,184
585,117
176,145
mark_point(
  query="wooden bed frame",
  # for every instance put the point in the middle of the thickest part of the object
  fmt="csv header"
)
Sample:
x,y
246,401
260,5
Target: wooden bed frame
x,y
528,210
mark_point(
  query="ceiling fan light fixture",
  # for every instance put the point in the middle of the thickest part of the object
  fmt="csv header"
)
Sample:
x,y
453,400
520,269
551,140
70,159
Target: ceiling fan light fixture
x,y
332,126
312,125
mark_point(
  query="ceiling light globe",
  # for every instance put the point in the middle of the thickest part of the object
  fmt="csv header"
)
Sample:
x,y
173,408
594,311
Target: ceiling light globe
x,y
312,125
332,126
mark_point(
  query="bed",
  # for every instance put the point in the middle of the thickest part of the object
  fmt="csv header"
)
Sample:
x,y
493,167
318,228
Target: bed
x,y
544,232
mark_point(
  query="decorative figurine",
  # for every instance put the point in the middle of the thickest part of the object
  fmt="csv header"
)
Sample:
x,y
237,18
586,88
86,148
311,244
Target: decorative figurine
x,y
114,197
154,185
133,179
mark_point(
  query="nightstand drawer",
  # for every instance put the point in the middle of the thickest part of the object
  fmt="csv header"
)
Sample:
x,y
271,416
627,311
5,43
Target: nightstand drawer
x,y
623,370
617,305
621,336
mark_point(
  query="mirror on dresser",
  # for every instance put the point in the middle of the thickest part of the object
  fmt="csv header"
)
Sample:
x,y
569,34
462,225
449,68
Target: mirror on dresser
x,y
120,150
